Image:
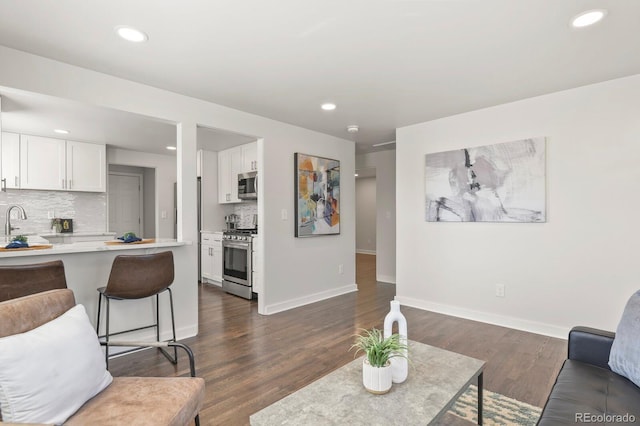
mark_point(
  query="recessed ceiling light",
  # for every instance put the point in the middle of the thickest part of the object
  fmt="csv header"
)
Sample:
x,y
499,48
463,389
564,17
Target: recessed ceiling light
x,y
171,148
353,128
131,34
356,175
587,18
61,131
328,106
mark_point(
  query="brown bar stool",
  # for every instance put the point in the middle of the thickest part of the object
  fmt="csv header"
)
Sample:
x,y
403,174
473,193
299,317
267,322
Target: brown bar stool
x,y
138,277
22,280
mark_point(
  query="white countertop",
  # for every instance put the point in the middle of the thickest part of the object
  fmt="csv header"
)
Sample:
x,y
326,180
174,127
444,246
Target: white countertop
x,y
91,246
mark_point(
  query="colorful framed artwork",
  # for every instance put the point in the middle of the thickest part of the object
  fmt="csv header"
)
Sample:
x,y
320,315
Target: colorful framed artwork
x,y
317,196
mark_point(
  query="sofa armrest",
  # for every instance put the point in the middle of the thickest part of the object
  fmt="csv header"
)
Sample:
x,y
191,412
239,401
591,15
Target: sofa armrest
x,y
590,345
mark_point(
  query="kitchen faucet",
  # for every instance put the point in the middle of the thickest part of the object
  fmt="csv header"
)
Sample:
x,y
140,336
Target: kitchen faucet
x,y
7,224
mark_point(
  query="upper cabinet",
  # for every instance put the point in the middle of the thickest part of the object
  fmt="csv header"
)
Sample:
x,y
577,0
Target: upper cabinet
x,y
86,167
231,162
55,164
249,157
229,165
42,163
10,164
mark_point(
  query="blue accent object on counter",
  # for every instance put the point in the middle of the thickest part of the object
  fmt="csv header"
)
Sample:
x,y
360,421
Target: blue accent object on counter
x,y
17,244
130,239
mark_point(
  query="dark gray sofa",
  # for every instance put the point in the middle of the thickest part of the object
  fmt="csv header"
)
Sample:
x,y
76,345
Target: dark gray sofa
x,y
586,391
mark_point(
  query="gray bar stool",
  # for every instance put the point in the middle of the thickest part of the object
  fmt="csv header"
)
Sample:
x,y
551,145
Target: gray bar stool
x,y
138,277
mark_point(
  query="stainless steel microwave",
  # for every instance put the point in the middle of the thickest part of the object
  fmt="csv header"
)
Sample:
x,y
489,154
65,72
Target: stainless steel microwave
x,y
248,186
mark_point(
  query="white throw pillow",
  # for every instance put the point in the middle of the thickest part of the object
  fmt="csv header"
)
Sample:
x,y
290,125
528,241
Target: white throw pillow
x,y
48,373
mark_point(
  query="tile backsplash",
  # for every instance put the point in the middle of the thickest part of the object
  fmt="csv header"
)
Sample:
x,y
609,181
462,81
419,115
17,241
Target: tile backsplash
x,y
246,210
87,209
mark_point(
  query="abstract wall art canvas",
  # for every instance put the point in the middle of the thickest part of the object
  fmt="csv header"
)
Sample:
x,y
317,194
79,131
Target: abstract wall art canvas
x,y
317,189
503,182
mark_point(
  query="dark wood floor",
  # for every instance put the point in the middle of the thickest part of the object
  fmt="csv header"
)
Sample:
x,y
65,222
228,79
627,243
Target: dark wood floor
x,y
250,361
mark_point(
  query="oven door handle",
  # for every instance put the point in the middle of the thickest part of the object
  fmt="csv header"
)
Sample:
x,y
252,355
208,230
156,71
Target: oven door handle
x,y
245,246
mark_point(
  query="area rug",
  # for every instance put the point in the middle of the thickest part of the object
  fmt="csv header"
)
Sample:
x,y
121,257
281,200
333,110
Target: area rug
x,y
496,410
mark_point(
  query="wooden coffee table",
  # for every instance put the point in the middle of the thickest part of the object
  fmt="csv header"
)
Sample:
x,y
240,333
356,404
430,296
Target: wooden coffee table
x,y
436,379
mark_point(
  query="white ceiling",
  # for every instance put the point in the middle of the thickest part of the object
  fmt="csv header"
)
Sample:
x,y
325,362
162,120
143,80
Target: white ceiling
x,y
385,63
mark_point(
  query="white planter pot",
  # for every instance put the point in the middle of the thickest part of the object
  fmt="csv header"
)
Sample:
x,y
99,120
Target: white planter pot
x,y
376,380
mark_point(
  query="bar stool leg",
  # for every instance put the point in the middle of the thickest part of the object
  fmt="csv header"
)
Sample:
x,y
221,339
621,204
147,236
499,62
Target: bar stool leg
x,y
158,317
106,347
173,323
174,359
98,320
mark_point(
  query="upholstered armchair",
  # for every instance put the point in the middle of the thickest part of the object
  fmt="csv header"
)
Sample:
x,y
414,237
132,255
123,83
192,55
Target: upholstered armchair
x,y
52,371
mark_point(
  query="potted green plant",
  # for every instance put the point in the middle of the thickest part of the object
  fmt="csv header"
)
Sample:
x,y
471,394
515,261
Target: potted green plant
x,y
376,367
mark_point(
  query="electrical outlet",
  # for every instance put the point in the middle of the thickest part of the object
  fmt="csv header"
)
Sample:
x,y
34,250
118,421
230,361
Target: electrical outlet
x,y
283,214
499,290
51,214
340,269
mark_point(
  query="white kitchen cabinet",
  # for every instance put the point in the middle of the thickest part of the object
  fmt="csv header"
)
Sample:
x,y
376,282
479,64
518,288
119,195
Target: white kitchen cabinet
x,y
86,167
231,162
211,257
217,260
10,164
249,157
206,263
42,163
229,165
55,164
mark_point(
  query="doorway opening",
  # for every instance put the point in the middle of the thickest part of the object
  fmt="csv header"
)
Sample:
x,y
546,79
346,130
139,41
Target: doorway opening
x,y
131,200
366,224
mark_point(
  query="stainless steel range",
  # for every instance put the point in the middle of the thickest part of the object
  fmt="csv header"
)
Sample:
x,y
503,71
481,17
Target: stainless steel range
x,y
236,265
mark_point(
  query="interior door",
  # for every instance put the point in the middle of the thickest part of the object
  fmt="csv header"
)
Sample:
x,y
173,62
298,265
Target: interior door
x,y
125,203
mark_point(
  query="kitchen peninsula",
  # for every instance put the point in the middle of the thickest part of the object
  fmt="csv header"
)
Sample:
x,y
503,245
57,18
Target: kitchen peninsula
x,y
87,267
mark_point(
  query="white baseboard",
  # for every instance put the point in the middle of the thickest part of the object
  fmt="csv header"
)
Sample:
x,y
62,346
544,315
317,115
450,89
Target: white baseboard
x,y
312,298
386,279
211,282
489,318
371,252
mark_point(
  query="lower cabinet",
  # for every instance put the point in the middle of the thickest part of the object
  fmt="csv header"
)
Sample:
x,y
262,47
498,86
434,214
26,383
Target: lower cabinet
x,y
211,257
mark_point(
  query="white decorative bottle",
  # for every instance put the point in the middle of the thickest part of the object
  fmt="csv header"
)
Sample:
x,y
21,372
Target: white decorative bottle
x,y
399,365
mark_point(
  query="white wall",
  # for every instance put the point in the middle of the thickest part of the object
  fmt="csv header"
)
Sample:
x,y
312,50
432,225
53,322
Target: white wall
x,y
385,164
303,270
149,203
366,215
296,271
579,267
